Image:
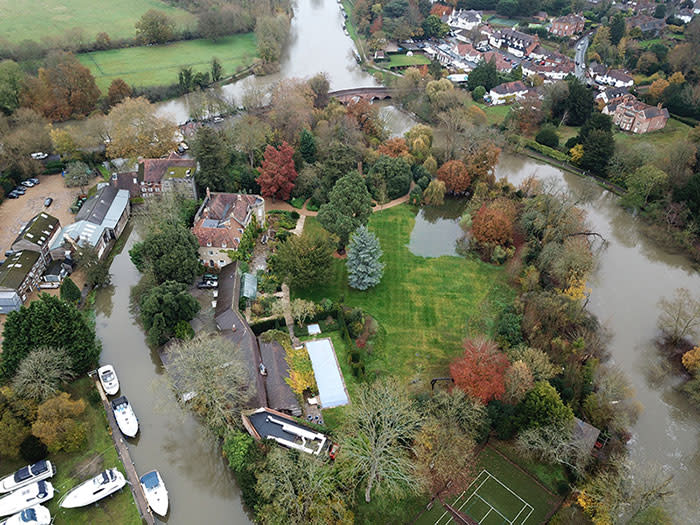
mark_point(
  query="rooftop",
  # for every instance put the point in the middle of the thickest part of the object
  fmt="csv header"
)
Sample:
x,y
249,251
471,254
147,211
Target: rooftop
x,y
14,270
39,229
266,423
155,170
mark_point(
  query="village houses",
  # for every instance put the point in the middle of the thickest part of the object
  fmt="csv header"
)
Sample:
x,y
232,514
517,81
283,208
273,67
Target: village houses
x,y
508,92
568,25
464,19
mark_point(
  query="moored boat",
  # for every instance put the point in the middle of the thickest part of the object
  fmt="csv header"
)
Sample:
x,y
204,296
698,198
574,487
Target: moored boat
x,y
124,414
155,492
109,380
39,471
36,515
92,490
26,497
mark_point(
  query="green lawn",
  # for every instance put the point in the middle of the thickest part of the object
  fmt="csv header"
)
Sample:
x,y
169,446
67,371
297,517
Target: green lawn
x,y
74,468
35,19
503,489
159,65
405,60
423,304
674,131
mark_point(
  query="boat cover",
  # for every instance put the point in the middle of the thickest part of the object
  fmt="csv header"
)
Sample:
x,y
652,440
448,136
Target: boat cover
x,y
150,480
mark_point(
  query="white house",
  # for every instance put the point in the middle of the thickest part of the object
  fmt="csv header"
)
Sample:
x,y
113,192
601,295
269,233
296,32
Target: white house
x,y
464,19
508,92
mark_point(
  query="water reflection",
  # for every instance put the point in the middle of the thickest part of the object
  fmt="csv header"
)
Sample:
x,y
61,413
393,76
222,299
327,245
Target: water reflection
x,y
436,230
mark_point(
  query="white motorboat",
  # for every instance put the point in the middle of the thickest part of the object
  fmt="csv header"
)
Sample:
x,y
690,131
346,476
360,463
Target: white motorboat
x,y
155,491
39,471
92,490
26,497
109,380
37,515
126,419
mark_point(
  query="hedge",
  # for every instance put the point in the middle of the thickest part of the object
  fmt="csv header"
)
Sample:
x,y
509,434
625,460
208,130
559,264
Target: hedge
x,y
546,150
269,324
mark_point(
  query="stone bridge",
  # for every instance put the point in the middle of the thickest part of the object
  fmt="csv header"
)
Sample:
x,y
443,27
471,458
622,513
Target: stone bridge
x,y
366,93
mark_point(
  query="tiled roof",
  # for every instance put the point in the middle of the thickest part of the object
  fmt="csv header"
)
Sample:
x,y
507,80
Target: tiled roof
x,y
509,88
222,219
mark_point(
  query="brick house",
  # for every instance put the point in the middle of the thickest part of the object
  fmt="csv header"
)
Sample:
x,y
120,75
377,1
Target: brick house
x,y
568,25
173,173
634,115
220,222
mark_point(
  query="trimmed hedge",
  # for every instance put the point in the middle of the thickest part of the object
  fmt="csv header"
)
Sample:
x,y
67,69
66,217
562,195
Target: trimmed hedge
x,y
546,150
260,327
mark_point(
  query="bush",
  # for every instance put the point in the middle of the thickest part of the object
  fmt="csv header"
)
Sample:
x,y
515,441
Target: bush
x,y
546,150
478,93
70,291
508,330
548,136
269,324
297,202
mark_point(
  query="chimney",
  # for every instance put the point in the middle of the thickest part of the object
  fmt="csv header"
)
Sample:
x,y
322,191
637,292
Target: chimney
x,y
238,197
659,105
208,194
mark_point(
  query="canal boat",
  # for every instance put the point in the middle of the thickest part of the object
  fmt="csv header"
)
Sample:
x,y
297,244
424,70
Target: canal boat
x,y
126,419
109,380
39,471
92,490
155,492
26,497
36,515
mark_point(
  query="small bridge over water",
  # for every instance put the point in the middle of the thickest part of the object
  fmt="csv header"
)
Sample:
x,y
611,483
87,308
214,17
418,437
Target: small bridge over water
x,y
367,93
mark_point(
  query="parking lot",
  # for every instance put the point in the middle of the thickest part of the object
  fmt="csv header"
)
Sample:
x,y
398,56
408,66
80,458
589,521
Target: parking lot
x,y
14,213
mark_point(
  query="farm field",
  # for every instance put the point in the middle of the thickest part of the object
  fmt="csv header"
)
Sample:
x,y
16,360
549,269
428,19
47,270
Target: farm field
x,y
159,65
35,19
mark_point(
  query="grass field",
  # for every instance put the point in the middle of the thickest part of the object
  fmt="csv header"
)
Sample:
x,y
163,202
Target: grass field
x,y
34,19
159,65
501,494
657,140
424,304
405,60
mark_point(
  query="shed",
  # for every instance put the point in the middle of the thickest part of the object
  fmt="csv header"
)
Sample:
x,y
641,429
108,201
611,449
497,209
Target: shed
x,y
585,434
249,286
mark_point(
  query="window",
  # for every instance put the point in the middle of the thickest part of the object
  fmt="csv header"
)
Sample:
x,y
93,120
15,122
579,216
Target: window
x,y
223,245
221,262
211,252
209,243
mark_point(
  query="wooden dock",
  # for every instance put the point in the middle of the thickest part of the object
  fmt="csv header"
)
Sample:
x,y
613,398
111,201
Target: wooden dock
x,y
125,456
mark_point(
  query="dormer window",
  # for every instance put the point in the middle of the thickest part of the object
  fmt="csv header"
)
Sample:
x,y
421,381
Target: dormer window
x,y
223,245
209,244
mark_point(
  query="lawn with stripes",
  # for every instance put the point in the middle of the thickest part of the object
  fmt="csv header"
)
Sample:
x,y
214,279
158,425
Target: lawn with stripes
x,y
160,65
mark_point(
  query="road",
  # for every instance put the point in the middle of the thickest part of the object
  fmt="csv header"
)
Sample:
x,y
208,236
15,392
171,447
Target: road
x,y
581,48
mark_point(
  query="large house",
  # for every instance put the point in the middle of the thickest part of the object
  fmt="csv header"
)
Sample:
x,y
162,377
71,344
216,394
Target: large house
x,y
616,78
19,275
568,25
649,25
634,115
37,236
464,19
220,222
550,66
265,423
171,174
515,42
508,92
610,94
101,219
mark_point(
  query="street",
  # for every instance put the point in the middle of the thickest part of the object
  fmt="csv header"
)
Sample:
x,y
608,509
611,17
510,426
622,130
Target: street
x,y
580,58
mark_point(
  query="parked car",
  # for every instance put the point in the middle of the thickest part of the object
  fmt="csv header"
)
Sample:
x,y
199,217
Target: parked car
x,y
34,180
333,451
263,370
206,284
27,183
48,202
9,253
12,195
20,189
210,277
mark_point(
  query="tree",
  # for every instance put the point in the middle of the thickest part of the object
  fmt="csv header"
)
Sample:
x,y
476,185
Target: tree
x,y
102,41
365,270
57,423
393,174
518,382
548,136
302,310
537,362
617,28
455,176
349,207
213,370
644,183
170,253
658,87
612,403
271,33
480,371
300,488
48,321
136,131
42,372
249,134
680,317
171,300
433,27
478,93
304,260
485,74
691,360
155,27
579,102
307,146
212,152
492,227
96,269
63,89
277,174
542,406
319,85
118,91
376,439
77,174
11,80
434,194
555,444
395,147
70,291
598,149
13,431
217,71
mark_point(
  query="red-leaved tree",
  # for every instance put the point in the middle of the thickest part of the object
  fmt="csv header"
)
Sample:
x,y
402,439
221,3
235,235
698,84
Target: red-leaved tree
x,y
277,174
491,226
480,371
455,176
395,148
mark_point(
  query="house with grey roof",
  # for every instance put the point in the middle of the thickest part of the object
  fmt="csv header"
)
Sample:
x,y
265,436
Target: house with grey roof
x,y
100,221
19,275
265,423
37,235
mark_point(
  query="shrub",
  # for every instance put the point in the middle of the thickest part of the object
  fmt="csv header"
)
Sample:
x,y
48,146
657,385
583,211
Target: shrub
x,y
548,136
508,327
546,150
478,93
32,449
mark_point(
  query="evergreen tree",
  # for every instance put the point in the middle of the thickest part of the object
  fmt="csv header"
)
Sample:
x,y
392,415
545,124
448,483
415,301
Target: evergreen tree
x,y
212,153
157,335
484,74
70,291
617,28
307,146
216,70
365,270
349,207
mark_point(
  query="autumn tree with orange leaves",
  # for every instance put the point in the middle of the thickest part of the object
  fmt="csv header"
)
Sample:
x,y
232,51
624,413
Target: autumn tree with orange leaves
x,y
455,176
491,226
480,372
395,148
482,162
277,174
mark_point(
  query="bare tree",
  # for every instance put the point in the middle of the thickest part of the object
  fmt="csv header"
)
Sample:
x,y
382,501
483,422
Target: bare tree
x,y
211,378
680,316
42,372
376,449
555,444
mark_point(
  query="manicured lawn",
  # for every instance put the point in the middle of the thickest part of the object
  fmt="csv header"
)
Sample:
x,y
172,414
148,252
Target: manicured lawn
x,y
35,19
405,60
423,304
656,140
74,468
160,65
502,488
497,20
494,114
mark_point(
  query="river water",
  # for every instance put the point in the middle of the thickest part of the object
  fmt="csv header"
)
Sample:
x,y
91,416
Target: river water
x,y
632,275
